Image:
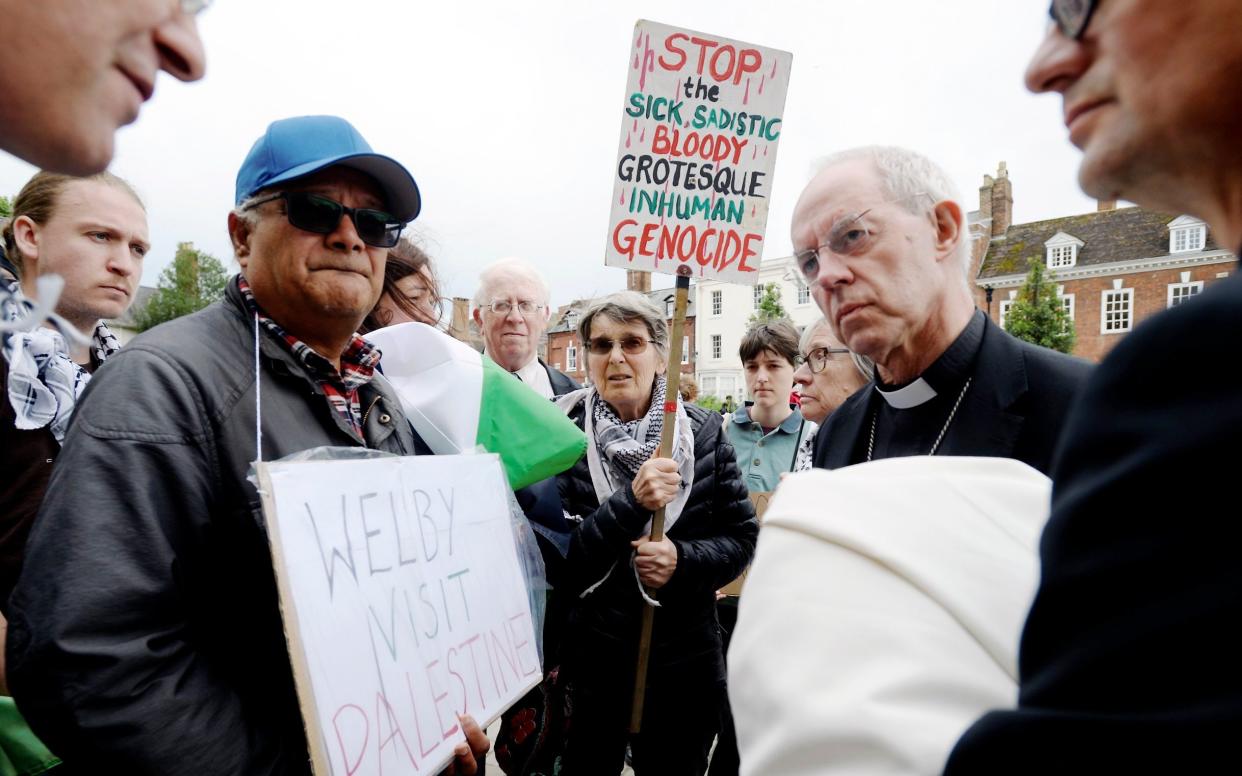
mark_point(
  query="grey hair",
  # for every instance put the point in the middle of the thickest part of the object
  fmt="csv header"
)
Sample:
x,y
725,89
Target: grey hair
x,y
628,307
507,269
246,211
904,176
865,365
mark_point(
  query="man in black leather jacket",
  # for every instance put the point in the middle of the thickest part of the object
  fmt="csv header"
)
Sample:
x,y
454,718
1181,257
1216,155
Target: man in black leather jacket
x,y
146,635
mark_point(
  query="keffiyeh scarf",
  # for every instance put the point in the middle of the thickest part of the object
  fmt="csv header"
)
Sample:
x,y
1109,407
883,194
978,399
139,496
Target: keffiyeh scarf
x,y
626,445
44,382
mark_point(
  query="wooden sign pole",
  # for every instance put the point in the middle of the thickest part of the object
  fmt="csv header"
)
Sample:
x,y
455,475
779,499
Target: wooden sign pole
x,y
667,436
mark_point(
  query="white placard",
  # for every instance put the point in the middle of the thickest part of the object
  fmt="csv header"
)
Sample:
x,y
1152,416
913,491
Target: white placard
x,y
404,604
699,130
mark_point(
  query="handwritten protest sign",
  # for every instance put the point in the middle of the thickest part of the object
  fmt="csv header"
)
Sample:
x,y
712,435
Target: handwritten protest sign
x,y
760,501
404,604
702,119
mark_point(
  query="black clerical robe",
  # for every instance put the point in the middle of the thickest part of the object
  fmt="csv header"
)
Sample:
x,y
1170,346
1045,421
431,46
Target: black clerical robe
x,y
1014,407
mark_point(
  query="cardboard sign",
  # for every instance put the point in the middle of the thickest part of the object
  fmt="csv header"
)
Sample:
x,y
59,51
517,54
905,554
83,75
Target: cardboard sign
x,y
699,130
404,604
760,501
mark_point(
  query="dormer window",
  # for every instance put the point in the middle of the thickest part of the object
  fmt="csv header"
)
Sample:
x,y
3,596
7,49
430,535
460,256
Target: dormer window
x,y
572,319
1187,233
1062,250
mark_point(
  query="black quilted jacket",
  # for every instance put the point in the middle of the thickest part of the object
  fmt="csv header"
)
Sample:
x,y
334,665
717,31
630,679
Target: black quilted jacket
x,y
715,539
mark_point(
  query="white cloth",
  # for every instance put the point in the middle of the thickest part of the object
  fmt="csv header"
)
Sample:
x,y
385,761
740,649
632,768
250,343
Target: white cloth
x,y
882,614
536,376
44,383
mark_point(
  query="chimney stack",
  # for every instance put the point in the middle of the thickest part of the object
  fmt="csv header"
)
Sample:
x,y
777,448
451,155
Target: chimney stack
x,y
1002,202
636,280
985,198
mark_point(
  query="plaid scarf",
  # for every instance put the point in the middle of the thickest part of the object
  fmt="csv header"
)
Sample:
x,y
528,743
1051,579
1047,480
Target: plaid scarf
x,y
44,382
340,388
627,444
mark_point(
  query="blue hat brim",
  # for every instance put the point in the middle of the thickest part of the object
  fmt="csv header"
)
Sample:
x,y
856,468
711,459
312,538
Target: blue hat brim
x,y
400,189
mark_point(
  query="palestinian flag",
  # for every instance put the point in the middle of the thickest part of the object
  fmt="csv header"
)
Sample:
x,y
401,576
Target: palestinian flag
x,y
458,398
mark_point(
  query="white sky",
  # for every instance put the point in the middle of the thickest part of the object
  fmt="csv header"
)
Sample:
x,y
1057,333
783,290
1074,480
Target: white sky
x,y
508,113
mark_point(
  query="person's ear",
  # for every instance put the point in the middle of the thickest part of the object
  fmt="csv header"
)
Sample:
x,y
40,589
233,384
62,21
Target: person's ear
x,y
26,240
240,233
950,229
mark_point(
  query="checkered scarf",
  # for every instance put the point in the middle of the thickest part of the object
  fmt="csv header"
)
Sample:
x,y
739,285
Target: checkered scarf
x,y
626,445
44,382
340,388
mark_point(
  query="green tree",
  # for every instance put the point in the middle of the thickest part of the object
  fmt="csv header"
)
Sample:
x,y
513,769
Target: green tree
x,y
770,307
709,402
1037,314
193,281
6,207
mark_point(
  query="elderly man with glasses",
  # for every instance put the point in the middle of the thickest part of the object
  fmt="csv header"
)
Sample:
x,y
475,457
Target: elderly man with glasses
x,y
146,634
511,310
881,241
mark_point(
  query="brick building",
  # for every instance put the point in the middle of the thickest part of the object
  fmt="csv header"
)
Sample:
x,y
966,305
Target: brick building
x,y
1113,267
566,352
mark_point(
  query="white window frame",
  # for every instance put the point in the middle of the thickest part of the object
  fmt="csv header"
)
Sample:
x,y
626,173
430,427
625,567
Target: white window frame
x,y
1187,239
1118,293
717,303
1190,288
668,308
1005,304
685,349
1062,256
804,294
716,349
1061,251
758,293
571,358
1067,303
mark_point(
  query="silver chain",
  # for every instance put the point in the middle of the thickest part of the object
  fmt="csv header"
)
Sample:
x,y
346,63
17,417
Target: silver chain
x,y
940,438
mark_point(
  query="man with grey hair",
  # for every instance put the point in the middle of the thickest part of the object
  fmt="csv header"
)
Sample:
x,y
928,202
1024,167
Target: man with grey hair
x,y
511,310
881,240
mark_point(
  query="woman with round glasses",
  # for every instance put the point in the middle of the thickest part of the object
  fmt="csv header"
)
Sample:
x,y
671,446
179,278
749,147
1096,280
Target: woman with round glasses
x,y
611,494
829,373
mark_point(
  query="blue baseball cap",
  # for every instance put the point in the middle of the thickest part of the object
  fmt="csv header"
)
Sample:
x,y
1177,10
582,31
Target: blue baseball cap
x,y
293,148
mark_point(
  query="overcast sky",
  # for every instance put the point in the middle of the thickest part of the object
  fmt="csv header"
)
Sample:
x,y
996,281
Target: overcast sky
x,y
508,113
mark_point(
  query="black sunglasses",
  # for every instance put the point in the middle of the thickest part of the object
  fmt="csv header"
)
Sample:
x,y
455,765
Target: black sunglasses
x,y
1072,16
321,215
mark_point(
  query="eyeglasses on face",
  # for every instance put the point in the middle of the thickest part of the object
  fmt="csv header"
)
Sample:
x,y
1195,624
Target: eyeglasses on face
x,y
1072,16
850,235
631,346
525,307
321,215
818,358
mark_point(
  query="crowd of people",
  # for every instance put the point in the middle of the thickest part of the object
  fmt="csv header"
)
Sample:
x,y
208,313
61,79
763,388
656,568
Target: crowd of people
x,y
878,630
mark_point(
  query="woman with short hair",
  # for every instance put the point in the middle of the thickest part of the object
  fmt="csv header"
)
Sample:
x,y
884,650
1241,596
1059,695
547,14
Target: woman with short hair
x,y
611,494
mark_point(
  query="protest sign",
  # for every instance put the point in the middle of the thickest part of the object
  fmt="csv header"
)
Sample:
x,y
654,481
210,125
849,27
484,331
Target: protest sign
x,y
700,126
760,501
404,604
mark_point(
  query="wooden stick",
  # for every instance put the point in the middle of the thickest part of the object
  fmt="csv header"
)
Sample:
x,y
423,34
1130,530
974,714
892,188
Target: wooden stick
x,y
668,436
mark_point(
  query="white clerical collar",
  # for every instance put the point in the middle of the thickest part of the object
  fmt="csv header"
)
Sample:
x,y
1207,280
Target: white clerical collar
x,y
912,395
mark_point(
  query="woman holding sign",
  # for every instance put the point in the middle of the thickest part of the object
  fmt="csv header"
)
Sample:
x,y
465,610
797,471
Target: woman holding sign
x,y
611,493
